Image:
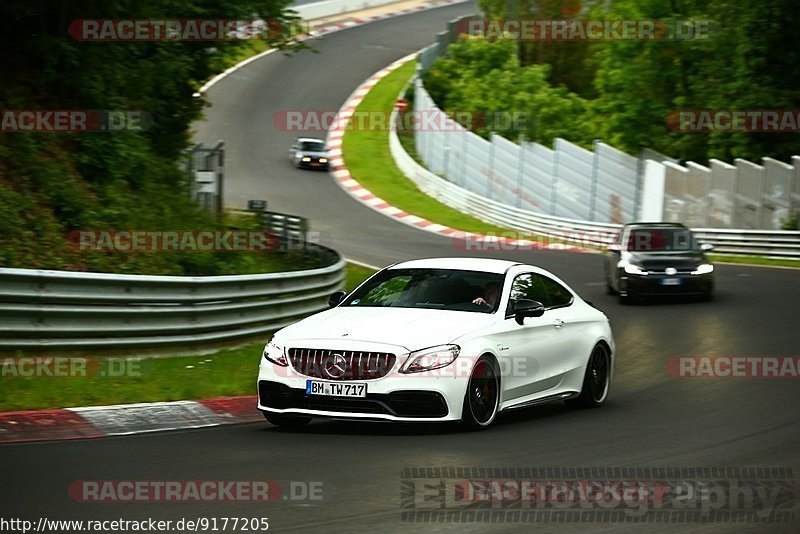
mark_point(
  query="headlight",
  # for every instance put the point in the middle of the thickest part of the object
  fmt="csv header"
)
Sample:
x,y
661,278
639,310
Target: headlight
x,y
323,160
704,268
430,358
275,354
306,158
632,269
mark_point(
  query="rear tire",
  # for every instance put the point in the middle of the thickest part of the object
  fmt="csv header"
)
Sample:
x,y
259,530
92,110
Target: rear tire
x,y
482,398
286,421
596,380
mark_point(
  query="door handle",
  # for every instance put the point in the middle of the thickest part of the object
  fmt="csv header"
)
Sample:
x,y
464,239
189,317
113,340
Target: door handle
x,y
558,323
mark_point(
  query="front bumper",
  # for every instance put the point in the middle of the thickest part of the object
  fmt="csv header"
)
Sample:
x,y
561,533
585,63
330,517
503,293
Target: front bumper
x,y
312,165
394,397
653,284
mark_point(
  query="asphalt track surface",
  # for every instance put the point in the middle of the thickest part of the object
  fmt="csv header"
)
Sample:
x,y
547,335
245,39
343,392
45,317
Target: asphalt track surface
x,y
651,419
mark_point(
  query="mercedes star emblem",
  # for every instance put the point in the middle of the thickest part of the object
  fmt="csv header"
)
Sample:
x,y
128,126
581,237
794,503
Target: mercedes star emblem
x,y
335,366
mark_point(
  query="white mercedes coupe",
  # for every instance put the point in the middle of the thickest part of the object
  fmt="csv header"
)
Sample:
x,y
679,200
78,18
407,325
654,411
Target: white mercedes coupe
x,y
443,339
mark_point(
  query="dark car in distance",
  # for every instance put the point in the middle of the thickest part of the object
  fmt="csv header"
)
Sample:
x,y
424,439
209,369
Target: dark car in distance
x,y
309,153
652,259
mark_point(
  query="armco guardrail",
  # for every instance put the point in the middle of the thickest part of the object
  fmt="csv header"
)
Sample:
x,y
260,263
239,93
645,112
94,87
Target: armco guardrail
x,y
89,311
328,8
777,243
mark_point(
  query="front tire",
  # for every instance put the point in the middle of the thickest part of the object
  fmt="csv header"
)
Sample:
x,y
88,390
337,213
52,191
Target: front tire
x,y
286,421
482,397
596,380
609,288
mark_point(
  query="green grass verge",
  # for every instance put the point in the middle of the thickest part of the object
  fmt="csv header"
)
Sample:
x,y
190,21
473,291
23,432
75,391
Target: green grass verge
x,y
754,260
355,275
227,372
370,162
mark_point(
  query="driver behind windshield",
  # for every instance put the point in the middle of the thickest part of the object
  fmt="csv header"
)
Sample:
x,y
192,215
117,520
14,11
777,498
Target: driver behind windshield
x,y
491,294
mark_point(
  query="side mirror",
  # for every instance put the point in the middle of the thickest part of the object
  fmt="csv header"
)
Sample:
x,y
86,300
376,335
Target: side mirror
x,y
613,247
336,299
706,247
527,308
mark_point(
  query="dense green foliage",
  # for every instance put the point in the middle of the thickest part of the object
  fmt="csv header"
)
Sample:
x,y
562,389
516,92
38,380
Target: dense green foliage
x,y
624,91
55,183
487,78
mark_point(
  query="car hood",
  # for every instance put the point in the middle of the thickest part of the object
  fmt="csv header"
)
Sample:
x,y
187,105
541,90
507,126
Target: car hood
x,y
411,328
312,154
685,260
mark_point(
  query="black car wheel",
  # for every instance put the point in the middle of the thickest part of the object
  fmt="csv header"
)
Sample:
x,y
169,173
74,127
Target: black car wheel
x,y
483,395
609,288
596,380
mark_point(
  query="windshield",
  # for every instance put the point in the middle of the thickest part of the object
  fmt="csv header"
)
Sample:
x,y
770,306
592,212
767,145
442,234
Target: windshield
x,y
312,146
440,289
660,240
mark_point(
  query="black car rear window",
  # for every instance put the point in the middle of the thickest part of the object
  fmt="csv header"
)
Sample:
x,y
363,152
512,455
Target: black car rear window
x,y
659,240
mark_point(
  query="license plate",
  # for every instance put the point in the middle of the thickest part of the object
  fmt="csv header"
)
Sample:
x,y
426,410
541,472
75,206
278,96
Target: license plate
x,y
671,281
334,389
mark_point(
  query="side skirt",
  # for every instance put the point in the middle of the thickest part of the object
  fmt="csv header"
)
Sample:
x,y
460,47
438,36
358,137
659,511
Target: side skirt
x,y
550,398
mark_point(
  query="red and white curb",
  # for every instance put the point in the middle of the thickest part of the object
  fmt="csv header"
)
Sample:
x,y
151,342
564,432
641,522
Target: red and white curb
x,y
124,419
327,29
342,177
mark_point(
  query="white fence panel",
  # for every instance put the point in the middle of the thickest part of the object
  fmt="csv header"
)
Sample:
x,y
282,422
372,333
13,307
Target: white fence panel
x,y
573,180
721,194
796,189
616,189
538,170
505,176
698,186
749,184
675,192
777,195
476,156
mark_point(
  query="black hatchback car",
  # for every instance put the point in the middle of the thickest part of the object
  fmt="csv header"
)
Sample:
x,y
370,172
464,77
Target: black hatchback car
x,y
650,259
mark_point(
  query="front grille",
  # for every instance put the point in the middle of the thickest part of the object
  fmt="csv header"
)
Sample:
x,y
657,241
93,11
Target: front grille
x,y
341,364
